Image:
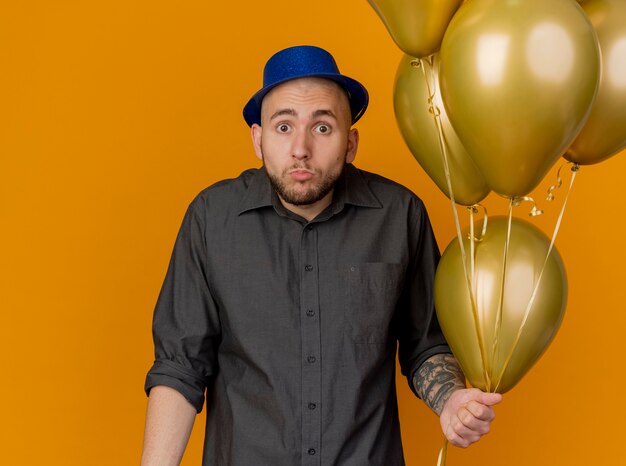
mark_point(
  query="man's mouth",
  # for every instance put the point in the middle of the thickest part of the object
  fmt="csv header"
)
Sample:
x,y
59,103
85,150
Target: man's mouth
x,y
301,174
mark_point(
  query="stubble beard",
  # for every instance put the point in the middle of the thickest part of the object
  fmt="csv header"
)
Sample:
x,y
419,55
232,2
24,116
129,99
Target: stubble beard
x,y
297,197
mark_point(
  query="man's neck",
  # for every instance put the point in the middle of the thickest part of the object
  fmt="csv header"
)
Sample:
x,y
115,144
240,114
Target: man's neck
x,y
309,211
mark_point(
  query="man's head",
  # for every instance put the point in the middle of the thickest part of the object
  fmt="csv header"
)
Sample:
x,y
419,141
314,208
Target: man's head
x,y
304,61
303,128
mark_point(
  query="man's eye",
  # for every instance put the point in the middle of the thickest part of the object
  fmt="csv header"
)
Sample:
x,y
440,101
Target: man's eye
x,y
323,129
283,128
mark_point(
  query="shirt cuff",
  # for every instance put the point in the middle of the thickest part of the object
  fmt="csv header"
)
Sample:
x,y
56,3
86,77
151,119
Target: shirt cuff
x,y
180,378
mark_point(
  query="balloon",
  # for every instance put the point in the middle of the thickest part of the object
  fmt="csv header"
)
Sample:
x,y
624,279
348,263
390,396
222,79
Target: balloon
x,y
604,133
524,262
416,26
518,79
419,130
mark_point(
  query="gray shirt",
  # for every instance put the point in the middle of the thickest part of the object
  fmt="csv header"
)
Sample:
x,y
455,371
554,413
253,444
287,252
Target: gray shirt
x,y
292,327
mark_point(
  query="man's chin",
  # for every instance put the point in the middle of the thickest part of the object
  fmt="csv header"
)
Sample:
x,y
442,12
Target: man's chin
x,y
300,199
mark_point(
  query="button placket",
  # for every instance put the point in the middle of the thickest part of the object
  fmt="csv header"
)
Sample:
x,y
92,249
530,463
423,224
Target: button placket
x,y
311,348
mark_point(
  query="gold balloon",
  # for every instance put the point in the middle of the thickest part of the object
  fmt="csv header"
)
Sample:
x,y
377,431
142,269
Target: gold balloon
x,y
604,133
506,291
518,79
416,26
419,130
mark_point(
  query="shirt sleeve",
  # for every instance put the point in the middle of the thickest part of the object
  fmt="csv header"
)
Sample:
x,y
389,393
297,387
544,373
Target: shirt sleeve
x,y
186,328
417,327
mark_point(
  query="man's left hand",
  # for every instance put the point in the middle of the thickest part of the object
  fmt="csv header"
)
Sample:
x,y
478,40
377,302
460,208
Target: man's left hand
x,y
467,416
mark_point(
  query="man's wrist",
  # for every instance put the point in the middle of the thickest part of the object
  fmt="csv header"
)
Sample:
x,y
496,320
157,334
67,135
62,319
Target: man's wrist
x,y
436,379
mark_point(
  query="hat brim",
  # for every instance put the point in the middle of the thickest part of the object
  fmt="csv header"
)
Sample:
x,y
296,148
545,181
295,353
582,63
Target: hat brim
x,y
357,96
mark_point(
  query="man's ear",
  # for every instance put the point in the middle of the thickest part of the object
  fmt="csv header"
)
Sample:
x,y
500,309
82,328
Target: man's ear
x,y
255,132
353,143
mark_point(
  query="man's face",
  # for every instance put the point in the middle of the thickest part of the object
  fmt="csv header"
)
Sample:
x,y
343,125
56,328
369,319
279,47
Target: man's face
x,y
305,140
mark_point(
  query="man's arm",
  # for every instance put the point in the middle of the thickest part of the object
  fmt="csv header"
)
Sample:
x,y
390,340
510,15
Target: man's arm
x,y
169,420
465,414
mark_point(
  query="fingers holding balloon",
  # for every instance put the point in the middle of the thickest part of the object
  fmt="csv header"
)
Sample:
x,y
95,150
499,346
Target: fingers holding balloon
x,y
459,436
468,416
478,416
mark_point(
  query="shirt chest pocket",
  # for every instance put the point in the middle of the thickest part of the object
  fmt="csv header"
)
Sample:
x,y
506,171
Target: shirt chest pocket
x,y
373,289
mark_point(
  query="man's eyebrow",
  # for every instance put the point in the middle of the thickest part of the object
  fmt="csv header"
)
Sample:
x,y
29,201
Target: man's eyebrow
x,y
324,112
283,111
292,112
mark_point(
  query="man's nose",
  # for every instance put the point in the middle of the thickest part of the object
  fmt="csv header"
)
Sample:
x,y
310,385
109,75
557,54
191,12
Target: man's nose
x,y
301,145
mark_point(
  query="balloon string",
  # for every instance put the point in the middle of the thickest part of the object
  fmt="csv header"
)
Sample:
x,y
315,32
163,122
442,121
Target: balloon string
x,y
534,212
472,241
513,202
436,112
443,452
574,170
498,327
559,182
473,209
487,371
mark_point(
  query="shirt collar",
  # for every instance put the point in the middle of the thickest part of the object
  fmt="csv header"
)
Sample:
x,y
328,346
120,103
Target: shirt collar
x,y
258,193
355,190
350,189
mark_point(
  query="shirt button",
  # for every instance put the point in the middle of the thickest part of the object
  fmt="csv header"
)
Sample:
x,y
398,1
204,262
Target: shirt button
x,y
310,312
311,451
308,267
312,405
309,227
311,359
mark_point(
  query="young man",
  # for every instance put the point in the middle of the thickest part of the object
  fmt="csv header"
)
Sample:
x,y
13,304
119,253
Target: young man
x,y
290,289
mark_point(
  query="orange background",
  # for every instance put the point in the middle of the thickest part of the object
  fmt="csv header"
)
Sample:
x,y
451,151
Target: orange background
x,y
115,114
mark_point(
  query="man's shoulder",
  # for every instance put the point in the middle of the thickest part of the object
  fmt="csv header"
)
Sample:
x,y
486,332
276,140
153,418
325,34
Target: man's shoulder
x,y
381,182
386,189
226,197
228,192
230,185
